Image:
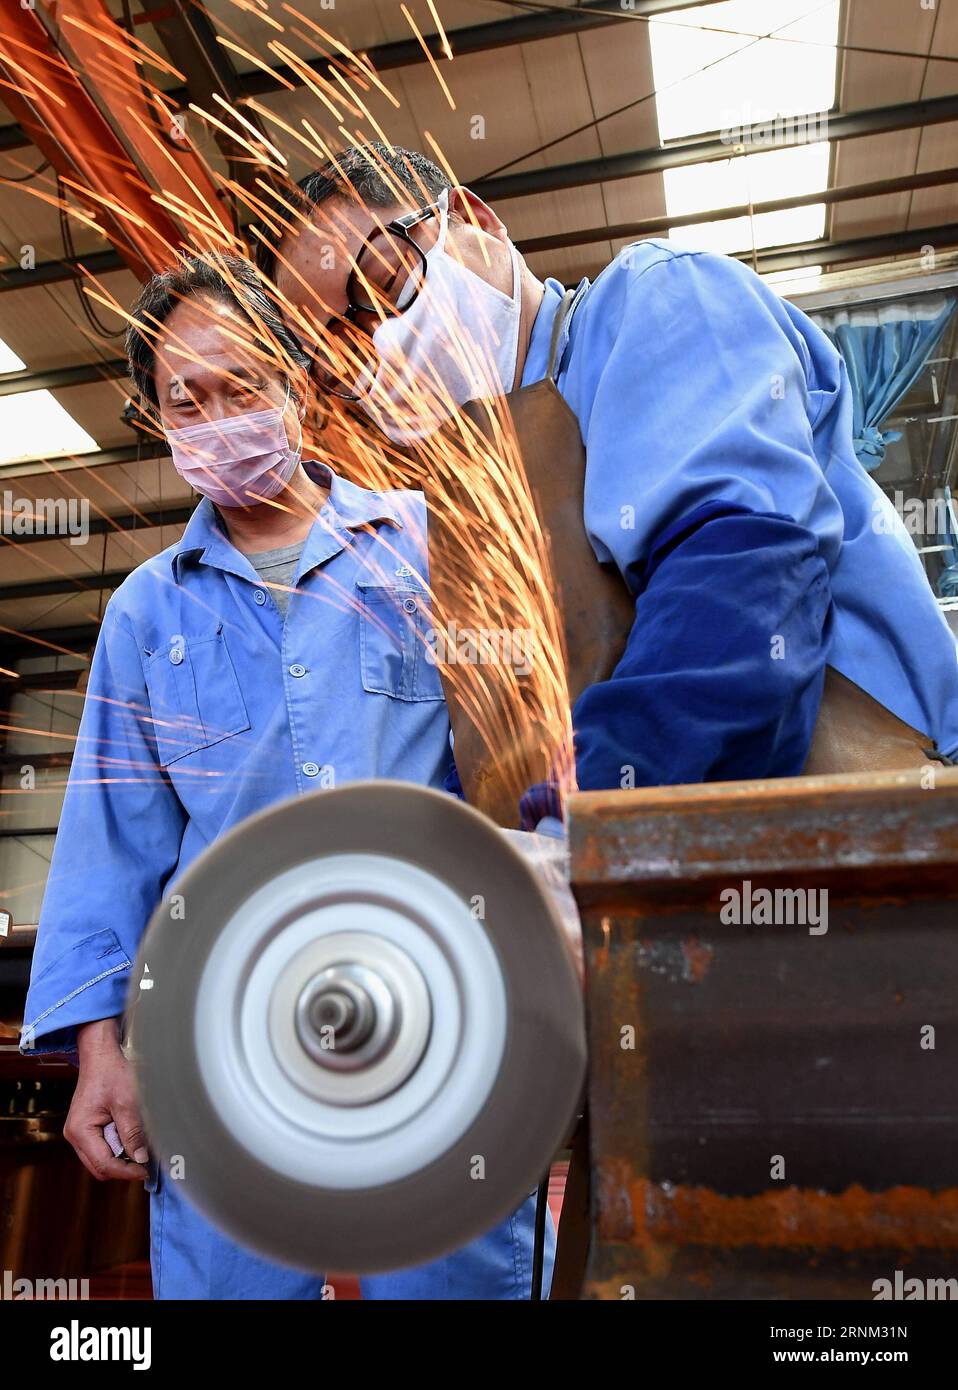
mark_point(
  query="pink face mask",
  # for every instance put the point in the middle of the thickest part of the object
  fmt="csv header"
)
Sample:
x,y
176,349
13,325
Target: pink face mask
x,y
239,460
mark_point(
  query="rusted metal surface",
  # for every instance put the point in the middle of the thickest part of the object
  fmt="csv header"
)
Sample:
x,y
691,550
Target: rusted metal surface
x,y
797,1218
771,1112
670,843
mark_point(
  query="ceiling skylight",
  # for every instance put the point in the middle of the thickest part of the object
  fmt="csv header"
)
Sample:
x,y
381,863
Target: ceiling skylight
x,y
9,361
752,178
33,424
699,75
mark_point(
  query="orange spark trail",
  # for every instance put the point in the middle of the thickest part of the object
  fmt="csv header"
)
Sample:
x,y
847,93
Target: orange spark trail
x,y
425,48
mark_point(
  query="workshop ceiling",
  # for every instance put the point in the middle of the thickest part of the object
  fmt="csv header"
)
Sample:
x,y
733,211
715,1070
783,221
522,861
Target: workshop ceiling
x,y
577,90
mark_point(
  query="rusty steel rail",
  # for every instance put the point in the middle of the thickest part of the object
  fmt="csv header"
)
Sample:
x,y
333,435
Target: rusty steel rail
x,y
773,1106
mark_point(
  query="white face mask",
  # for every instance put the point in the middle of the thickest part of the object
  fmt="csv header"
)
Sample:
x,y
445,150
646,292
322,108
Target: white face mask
x,y
457,342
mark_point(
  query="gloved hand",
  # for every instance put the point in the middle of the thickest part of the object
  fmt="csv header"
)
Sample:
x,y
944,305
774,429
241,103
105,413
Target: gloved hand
x,y
540,809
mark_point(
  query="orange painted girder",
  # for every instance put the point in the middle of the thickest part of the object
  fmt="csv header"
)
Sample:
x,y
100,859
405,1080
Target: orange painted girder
x,y
86,107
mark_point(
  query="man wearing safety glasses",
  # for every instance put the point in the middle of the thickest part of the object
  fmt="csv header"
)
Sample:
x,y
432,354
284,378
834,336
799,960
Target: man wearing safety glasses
x,y
721,480
382,350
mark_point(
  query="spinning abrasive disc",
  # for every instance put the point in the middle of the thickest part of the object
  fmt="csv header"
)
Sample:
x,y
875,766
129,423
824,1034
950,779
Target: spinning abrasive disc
x,y
362,1039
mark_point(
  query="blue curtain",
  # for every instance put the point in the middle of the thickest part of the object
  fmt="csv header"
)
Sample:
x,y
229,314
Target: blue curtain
x,y
885,347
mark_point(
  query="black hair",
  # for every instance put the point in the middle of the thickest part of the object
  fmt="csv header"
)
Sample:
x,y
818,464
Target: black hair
x,y
229,280
371,174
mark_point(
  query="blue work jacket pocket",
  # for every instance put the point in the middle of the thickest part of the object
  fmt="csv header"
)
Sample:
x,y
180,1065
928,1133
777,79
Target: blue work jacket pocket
x,y
195,697
395,628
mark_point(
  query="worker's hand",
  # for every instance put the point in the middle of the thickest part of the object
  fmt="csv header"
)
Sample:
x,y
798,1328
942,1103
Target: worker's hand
x,y
105,1092
540,808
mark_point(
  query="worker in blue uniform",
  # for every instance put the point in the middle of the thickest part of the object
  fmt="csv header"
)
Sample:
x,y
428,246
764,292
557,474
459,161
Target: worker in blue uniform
x,y
720,477
267,653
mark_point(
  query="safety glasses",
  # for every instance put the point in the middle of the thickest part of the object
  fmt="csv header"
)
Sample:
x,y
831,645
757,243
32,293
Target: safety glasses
x,y
389,272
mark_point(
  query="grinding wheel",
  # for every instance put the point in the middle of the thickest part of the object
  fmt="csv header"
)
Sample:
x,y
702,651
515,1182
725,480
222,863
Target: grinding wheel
x,y
357,1029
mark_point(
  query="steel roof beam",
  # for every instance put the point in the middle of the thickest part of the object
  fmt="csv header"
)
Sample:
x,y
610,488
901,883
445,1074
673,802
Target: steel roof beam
x,y
704,149
657,226
122,521
62,378
546,23
808,253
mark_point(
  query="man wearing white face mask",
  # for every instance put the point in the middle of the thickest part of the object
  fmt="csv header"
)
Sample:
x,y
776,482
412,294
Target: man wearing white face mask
x,y
457,340
271,651
760,563
423,310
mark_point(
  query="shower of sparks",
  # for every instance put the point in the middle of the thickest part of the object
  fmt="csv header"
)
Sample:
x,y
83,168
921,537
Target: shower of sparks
x,y
440,30
430,59
500,567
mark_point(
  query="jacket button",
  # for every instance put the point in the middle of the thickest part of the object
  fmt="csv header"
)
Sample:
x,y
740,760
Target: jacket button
x,y
176,656
297,670
259,596
310,769
410,605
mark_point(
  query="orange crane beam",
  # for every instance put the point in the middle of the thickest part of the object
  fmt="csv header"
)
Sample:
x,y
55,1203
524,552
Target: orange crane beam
x,y
84,91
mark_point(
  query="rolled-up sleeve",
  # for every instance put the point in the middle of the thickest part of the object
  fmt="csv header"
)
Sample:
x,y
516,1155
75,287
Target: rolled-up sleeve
x,y
118,843
705,489
723,672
